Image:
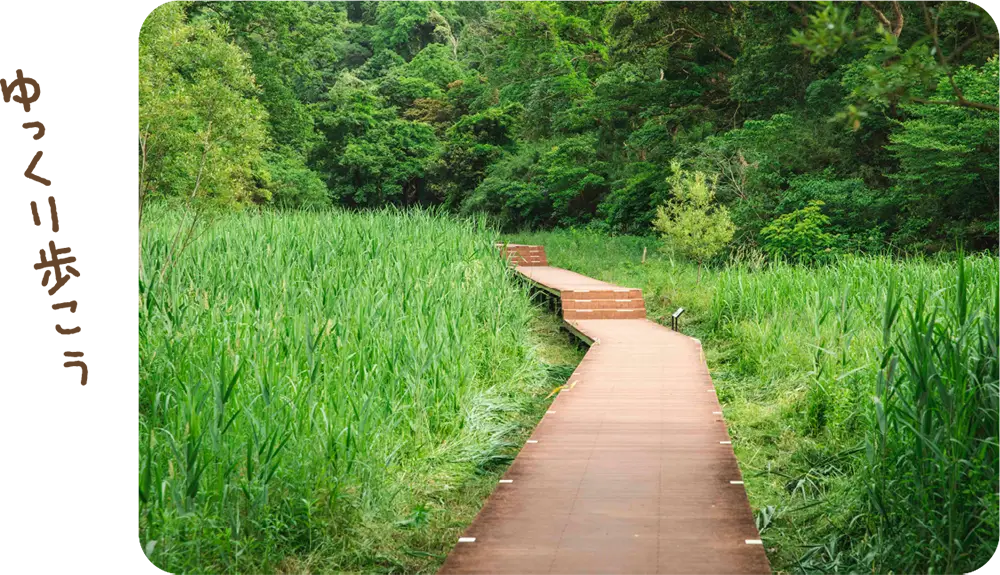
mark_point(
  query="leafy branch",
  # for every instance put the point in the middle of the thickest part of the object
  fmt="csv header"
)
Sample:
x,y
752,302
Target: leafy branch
x,y
903,75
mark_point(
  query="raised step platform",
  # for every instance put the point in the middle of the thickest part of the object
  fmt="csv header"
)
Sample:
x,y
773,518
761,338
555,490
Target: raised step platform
x,y
524,255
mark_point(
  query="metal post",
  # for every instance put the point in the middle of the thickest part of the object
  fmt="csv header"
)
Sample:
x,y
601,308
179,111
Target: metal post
x,y
675,319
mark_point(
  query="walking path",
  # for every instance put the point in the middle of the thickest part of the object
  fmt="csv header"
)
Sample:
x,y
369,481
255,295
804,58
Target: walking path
x,y
631,470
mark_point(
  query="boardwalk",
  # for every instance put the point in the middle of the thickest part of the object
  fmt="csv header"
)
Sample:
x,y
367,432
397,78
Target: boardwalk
x,y
631,470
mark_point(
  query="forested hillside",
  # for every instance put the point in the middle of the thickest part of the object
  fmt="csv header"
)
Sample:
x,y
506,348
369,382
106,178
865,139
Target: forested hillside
x,y
550,114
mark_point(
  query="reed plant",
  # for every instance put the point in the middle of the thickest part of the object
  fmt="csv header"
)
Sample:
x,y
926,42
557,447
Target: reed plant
x,y
325,391
931,440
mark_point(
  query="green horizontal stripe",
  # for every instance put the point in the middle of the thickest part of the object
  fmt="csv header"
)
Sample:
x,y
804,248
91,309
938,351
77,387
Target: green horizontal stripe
x,y
68,451
67,484
69,507
48,522
63,460
18,494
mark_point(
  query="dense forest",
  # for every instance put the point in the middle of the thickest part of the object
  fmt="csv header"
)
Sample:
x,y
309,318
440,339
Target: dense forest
x,y
550,114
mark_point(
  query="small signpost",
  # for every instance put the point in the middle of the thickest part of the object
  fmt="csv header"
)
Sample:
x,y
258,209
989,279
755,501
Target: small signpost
x,y
675,318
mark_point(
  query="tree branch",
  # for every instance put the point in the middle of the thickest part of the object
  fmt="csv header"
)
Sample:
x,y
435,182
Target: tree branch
x,y
894,27
960,100
701,37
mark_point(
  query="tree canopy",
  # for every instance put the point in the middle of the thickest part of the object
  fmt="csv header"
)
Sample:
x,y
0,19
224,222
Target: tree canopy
x,y
881,115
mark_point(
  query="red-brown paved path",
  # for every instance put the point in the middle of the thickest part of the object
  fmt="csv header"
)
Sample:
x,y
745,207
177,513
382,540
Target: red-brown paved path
x,y
630,471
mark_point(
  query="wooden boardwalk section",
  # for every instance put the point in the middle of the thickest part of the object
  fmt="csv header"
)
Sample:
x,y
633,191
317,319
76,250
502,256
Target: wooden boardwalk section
x,y
631,470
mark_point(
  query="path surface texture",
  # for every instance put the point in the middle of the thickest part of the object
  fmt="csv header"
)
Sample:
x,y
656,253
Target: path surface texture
x,y
631,470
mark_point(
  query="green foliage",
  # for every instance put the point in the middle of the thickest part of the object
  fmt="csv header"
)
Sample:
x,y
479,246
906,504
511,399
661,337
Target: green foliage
x,y
892,70
400,26
545,184
887,112
472,145
293,185
800,235
857,214
829,30
426,78
691,223
632,203
202,130
564,114
760,163
373,157
436,64
309,380
932,450
948,164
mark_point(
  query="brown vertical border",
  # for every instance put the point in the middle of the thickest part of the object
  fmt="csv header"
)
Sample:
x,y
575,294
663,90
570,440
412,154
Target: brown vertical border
x,y
67,370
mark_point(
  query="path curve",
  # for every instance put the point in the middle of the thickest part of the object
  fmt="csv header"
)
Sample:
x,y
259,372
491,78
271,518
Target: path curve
x,y
631,470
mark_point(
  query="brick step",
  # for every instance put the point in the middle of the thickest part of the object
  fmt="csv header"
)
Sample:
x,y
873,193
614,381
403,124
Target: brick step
x,y
524,249
623,293
523,255
532,246
603,304
527,261
604,313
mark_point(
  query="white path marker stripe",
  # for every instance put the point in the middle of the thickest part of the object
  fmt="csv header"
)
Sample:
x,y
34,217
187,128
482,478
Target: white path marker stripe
x,y
754,542
506,481
736,482
532,441
469,539
725,442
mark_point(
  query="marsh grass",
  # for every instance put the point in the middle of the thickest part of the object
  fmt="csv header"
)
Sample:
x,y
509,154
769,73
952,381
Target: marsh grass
x,y
861,395
932,438
327,392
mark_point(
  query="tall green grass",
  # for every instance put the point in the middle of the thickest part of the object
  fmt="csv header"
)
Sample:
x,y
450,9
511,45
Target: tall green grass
x,y
861,395
320,392
932,438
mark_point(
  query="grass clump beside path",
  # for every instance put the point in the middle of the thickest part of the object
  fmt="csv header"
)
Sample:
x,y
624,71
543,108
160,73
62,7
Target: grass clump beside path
x,y
327,392
862,396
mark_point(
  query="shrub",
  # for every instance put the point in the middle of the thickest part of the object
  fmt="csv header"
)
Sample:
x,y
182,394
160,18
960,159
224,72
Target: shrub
x,y
800,235
293,185
690,223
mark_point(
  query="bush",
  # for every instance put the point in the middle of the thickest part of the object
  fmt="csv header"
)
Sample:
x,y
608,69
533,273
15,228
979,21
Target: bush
x,y
199,123
800,235
690,223
293,184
